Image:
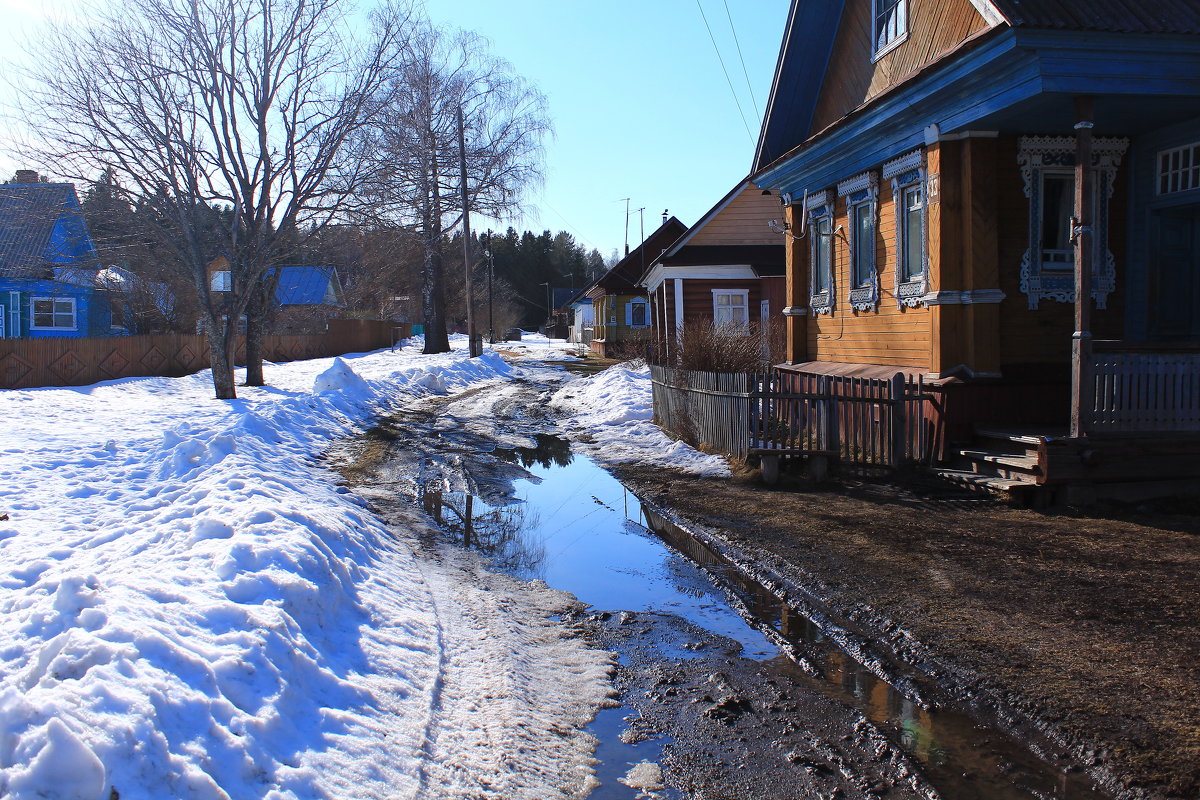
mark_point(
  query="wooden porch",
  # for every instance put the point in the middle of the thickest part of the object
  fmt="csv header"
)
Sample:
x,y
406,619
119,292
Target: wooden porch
x,y
1142,433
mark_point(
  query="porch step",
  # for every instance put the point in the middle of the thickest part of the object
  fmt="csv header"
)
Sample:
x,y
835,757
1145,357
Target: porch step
x,y
1024,438
1024,463
1012,489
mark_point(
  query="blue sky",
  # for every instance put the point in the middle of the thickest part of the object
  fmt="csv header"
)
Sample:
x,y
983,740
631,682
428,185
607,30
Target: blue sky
x,y
641,106
640,103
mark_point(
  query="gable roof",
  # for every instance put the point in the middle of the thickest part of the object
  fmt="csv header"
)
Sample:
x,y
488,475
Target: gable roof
x,y
41,225
308,286
624,275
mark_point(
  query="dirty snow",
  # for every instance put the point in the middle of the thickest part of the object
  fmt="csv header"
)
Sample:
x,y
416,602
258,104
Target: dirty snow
x,y
645,776
612,421
194,609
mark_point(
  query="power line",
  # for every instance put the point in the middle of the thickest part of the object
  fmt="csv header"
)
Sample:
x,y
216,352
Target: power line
x,y
732,91
745,72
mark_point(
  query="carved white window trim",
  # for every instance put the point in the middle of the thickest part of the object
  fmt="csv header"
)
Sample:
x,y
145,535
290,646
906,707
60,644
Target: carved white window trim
x,y
1179,169
820,207
906,172
1041,155
859,191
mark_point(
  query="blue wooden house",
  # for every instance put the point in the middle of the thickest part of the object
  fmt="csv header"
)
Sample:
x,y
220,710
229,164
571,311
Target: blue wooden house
x,y
1002,197
44,248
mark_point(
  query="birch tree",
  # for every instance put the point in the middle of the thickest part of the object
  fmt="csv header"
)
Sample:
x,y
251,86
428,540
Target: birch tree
x,y
414,141
234,110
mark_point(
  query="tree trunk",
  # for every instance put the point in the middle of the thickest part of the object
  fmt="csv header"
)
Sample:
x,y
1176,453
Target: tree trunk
x,y
433,294
255,328
222,339
434,299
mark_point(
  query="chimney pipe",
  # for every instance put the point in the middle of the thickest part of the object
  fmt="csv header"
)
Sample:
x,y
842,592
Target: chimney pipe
x,y
665,215
26,176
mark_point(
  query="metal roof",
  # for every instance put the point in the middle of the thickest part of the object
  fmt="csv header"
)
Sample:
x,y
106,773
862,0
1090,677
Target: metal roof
x,y
307,286
29,216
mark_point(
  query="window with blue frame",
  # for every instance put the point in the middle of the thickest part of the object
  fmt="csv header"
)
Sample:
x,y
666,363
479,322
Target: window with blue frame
x,y
861,194
821,235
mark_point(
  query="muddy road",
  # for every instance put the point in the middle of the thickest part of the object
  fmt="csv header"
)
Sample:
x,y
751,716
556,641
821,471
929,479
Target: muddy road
x,y
721,693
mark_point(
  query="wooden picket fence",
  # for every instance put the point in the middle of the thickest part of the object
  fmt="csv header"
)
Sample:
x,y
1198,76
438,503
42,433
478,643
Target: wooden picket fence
x,y
1146,392
28,363
860,421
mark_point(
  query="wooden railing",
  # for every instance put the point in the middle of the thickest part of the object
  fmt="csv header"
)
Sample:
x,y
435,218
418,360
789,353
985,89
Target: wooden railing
x,y
28,363
860,421
1151,388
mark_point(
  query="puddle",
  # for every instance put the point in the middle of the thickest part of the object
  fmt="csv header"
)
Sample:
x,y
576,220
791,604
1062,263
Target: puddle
x,y
539,511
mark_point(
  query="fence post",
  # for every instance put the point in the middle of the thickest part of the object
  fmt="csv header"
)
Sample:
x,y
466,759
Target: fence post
x,y
828,413
898,414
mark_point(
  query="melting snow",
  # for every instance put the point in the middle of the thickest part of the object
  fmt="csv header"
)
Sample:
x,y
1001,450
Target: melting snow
x,y
613,412
194,609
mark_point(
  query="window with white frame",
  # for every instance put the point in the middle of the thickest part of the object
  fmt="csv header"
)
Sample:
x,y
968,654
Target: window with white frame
x,y
52,313
1179,169
862,208
1048,172
907,174
731,307
637,313
891,24
820,252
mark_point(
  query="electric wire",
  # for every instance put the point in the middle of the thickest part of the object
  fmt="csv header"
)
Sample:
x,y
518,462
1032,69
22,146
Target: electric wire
x,y
721,60
738,45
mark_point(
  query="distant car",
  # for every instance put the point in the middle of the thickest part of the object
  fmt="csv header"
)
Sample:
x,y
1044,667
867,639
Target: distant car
x,y
513,335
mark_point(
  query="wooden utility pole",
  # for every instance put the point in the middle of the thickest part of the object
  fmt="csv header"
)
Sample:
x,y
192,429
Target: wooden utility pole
x,y
1083,387
476,348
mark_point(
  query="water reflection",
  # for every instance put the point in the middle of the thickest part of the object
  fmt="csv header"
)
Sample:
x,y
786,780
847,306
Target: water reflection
x,y
550,451
497,532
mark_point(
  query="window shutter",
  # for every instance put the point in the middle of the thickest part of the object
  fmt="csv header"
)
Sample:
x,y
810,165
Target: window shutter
x,y
629,315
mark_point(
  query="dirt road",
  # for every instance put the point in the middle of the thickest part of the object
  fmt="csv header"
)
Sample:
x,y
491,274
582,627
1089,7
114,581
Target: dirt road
x,y
1083,626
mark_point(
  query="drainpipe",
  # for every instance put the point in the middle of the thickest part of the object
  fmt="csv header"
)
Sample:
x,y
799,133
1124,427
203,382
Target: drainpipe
x,y
1083,387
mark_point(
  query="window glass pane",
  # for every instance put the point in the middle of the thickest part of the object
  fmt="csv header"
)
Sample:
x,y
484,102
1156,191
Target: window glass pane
x,y
913,241
822,254
1058,200
864,243
890,21
639,314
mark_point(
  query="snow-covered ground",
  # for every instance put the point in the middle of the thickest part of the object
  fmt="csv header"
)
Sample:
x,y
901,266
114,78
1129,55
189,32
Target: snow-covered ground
x,y
193,608
611,420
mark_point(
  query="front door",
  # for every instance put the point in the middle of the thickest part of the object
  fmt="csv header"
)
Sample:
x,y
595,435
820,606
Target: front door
x,y
1175,273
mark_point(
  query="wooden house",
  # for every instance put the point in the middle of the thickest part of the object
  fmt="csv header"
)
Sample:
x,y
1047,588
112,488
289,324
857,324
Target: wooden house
x,y
621,308
1003,197
45,248
728,269
305,296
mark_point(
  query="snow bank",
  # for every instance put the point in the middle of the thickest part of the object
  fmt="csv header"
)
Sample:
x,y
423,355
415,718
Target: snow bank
x,y
611,420
194,609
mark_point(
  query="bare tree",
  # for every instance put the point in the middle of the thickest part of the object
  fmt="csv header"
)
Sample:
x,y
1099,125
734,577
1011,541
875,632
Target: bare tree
x,y
231,113
416,176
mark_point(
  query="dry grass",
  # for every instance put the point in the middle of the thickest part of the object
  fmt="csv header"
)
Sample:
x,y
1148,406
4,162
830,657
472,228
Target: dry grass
x,y
706,347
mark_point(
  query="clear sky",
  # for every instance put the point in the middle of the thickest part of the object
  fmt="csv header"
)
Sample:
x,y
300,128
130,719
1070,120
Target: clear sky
x,y
640,102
